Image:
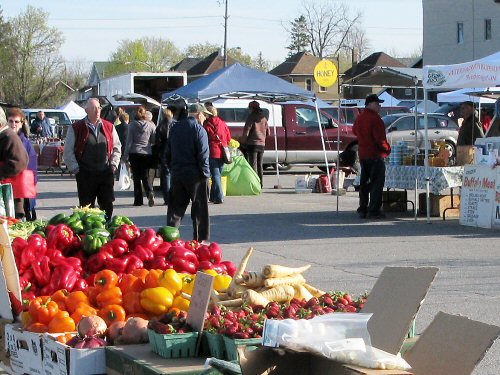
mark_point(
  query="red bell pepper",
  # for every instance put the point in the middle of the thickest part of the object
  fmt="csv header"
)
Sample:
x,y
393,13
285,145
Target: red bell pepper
x,y
143,253
205,265
42,272
192,245
149,239
60,238
220,268
63,277
97,262
163,249
74,262
182,253
29,275
230,267
183,265
133,263
18,245
116,247
212,253
28,257
127,232
38,243
118,265
80,284
177,243
90,279
159,262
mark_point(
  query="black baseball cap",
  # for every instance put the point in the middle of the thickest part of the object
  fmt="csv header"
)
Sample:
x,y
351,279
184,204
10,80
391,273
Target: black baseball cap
x,y
372,98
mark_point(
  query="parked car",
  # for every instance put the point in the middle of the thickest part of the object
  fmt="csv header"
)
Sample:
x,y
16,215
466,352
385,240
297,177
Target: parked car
x,y
130,103
58,118
297,133
401,127
349,114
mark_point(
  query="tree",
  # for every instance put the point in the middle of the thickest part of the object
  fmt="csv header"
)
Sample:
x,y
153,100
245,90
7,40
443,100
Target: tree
x,y
260,63
201,50
328,26
299,37
147,53
33,64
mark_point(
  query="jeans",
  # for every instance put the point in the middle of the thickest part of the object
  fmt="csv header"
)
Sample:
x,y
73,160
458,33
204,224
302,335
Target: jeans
x,y
164,181
216,192
139,165
371,186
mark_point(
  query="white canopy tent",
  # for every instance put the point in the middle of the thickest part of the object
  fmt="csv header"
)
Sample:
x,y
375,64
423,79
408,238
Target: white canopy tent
x,y
463,95
481,73
74,111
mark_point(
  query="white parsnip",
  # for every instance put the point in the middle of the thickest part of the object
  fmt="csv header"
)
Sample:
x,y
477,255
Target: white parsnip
x,y
235,290
287,280
275,270
253,279
314,291
301,292
280,293
253,298
231,302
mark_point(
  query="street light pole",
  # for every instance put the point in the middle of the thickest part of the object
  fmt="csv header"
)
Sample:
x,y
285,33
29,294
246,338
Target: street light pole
x,y
225,35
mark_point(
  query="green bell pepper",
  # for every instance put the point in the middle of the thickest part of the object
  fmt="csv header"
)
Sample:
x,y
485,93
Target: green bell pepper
x,y
94,239
168,233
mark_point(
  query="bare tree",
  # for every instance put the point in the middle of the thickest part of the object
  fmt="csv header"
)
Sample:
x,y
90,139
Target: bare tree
x,y
201,50
261,63
328,26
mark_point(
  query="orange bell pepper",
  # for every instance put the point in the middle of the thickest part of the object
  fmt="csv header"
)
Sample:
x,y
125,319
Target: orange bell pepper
x,y
92,293
132,303
140,273
112,313
81,311
105,279
152,278
59,297
74,299
175,310
42,310
130,283
111,296
63,339
26,319
37,327
61,323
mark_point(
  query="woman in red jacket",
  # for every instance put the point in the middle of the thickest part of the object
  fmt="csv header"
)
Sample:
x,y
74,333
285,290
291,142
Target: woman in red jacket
x,y
218,136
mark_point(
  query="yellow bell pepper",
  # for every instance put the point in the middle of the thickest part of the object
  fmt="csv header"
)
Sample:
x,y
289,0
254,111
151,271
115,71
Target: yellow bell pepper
x,y
211,272
156,300
221,282
188,284
171,280
181,303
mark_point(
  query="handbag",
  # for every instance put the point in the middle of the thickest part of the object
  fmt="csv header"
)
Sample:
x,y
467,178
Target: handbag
x,y
226,152
23,184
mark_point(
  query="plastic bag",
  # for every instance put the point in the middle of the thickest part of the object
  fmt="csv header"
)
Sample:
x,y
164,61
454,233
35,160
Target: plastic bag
x,y
124,178
342,337
241,178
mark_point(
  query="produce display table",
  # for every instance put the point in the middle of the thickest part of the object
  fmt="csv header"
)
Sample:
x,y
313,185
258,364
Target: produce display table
x,y
139,359
441,178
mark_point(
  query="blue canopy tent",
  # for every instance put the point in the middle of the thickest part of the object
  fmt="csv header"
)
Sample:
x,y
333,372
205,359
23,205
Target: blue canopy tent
x,y
243,82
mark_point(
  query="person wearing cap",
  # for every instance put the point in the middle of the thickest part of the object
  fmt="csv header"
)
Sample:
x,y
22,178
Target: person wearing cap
x,y
253,140
218,136
471,128
372,149
187,156
13,156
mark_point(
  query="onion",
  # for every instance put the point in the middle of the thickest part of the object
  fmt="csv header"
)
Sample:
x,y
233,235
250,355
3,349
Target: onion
x,y
91,326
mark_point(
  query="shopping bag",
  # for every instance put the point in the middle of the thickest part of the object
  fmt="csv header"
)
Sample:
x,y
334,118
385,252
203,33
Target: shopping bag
x,y
23,184
124,178
7,200
241,178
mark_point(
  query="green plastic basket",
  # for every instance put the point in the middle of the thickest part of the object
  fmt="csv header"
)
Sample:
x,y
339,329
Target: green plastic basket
x,y
216,345
176,345
233,344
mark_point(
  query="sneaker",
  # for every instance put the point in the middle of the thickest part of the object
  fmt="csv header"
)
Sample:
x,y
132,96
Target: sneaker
x,y
377,216
151,200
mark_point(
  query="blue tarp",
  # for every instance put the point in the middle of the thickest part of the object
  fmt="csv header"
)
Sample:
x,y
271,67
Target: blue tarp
x,y
240,81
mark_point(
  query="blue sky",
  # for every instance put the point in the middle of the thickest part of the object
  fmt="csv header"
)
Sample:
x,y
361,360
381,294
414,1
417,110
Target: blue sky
x,y
93,28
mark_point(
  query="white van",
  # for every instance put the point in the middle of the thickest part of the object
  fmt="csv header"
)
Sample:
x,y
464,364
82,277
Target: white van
x,y
58,118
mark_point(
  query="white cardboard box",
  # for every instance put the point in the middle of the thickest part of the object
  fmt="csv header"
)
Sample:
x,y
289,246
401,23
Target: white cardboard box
x,y
60,359
25,350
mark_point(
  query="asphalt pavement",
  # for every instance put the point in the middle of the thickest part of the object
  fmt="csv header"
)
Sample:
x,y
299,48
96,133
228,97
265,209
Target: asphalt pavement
x,y
346,253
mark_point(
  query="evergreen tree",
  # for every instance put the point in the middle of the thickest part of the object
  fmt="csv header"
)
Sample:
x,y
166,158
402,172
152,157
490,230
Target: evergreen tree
x,y
298,35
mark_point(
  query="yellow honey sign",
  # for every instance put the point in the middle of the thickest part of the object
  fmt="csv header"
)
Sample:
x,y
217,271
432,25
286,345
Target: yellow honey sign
x,y
325,73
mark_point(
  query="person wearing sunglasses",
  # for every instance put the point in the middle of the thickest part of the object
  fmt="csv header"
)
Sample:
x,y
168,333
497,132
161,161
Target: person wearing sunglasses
x,y
17,122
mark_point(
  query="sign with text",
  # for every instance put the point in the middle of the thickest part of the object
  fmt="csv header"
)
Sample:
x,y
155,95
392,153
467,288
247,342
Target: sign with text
x,y
477,196
199,300
325,73
496,203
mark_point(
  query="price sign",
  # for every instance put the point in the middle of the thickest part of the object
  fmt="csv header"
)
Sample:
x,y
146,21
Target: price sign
x,y
325,73
199,300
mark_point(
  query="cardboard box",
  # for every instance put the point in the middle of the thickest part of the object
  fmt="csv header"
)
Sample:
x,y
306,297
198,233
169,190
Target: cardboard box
x,y
24,349
64,360
465,155
439,203
4,358
394,201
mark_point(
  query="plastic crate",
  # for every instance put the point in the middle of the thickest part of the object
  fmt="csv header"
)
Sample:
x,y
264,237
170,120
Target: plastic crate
x,y
216,345
177,345
233,344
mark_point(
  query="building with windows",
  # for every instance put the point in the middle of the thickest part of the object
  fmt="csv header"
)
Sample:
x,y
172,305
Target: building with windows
x,y
456,31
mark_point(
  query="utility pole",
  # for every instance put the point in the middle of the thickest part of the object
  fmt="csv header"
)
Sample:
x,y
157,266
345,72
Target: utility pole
x,y
225,35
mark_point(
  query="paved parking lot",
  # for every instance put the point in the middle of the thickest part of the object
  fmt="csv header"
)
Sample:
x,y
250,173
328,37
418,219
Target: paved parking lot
x,y
347,253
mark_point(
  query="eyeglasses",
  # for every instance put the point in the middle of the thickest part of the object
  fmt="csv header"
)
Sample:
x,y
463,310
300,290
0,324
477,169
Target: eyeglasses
x,y
14,121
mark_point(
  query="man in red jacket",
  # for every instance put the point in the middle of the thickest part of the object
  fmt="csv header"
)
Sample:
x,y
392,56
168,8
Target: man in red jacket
x,y
372,149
